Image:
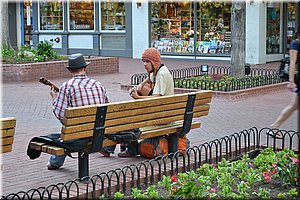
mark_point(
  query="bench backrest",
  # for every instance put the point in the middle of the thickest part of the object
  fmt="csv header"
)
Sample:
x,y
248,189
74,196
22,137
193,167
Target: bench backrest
x,y
80,122
8,126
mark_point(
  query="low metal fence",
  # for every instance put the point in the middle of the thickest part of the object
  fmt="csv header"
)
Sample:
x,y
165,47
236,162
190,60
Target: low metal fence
x,y
257,77
227,86
148,172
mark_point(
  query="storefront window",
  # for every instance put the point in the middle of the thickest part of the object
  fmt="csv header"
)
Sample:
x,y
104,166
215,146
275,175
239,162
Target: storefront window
x,y
27,22
291,22
172,27
113,15
51,15
273,28
81,15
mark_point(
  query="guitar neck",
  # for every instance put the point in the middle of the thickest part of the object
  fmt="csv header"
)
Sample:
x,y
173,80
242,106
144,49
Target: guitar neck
x,y
47,82
54,87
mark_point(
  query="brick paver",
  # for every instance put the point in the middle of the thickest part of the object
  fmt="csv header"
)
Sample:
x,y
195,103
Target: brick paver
x,y
30,103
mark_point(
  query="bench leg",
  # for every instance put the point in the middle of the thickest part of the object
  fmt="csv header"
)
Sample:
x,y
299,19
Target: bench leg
x,y
83,164
173,142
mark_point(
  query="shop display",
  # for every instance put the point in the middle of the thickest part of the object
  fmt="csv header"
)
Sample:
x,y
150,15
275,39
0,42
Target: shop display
x,y
113,16
51,15
291,23
273,29
172,27
27,8
82,15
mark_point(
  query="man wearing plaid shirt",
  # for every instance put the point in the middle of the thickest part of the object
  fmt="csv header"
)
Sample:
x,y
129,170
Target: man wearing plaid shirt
x,y
78,91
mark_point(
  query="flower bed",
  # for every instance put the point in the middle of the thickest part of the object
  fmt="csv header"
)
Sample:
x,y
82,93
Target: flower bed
x,y
269,175
225,83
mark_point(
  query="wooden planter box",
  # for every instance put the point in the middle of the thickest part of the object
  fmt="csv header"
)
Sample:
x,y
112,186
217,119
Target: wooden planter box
x,y
55,69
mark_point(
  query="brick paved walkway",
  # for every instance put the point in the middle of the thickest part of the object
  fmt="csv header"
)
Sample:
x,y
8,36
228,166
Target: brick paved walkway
x,y
30,103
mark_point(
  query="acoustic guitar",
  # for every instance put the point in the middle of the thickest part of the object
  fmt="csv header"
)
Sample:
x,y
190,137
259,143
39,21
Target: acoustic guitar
x,y
47,82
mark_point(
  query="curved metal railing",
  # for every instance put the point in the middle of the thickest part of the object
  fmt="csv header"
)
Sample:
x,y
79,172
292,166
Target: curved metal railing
x,y
151,171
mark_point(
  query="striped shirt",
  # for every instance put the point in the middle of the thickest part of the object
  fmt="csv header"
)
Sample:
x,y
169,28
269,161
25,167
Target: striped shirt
x,y
78,91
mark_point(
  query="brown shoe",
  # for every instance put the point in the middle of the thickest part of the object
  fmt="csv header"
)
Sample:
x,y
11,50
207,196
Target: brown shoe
x,y
126,155
104,153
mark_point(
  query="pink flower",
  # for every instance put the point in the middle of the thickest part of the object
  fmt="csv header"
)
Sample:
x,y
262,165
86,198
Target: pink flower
x,y
213,189
174,178
274,165
214,166
267,176
295,160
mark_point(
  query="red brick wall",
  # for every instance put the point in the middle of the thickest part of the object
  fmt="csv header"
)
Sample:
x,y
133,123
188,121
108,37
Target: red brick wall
x,y
55,69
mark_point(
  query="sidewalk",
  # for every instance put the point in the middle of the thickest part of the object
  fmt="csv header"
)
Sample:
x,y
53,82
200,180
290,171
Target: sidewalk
x,y
31,105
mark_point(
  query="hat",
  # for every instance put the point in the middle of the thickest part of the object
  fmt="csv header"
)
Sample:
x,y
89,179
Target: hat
x,y
153,56
77,61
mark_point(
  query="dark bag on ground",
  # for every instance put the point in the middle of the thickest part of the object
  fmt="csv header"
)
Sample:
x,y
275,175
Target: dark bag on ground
x,y
76,145
125,137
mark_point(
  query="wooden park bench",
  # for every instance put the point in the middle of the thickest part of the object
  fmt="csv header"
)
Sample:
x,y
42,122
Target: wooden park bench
x,y
8,126
154,116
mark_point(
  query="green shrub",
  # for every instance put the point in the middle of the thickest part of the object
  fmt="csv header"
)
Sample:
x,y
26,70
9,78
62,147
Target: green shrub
x,y
43,52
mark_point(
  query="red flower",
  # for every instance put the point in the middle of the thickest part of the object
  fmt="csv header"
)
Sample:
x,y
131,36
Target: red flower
x,y
295,160
174,189
213,189
174,178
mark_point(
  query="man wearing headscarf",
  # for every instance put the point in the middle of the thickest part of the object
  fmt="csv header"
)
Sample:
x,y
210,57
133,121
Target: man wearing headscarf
x,y
160,79
160,83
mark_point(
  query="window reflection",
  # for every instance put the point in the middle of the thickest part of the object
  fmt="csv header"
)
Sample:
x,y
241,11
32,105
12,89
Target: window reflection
x,y
113,15
81,15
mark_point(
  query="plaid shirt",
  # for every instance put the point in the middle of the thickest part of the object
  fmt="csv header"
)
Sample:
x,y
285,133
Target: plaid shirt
x,y
78,91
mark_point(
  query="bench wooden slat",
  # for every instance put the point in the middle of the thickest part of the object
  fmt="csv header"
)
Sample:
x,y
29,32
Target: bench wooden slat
x,y
166,130
133,112
7,133
83,131
147,132
7,141
133,119
6,148
133,104
9,122
47,148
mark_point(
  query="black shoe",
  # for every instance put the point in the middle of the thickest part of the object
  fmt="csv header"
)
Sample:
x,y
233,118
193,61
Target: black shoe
x,y
126,155
272,134
52,167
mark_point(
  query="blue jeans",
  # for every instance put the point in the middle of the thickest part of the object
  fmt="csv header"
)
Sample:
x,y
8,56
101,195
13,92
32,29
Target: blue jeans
x,y
58,161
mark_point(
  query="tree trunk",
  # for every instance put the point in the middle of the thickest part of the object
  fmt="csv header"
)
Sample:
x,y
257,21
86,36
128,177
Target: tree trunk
x,y
5,39
238,19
